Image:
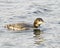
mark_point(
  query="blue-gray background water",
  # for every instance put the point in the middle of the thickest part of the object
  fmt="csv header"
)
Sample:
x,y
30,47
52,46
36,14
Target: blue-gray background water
x,y
15,11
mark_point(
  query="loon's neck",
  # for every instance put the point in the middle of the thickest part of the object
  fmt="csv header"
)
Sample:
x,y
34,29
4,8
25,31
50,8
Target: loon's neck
x,y
36,25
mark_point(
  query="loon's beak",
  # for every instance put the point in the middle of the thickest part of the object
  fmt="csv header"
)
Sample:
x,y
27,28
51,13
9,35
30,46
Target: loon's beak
x,y
43,22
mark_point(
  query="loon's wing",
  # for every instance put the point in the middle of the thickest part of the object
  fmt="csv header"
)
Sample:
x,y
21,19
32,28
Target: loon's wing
x,y
19,26
25,25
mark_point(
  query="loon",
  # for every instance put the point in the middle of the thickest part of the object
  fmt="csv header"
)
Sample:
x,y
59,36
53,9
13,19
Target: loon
x,y
25,26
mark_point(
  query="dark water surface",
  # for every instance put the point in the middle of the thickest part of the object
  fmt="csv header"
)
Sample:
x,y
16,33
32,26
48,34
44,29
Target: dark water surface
x,y
15,11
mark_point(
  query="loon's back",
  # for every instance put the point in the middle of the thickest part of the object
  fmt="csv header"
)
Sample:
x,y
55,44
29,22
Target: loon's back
x,y
19,26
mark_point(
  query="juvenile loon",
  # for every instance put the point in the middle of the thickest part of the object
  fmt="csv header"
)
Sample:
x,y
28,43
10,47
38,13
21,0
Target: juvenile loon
x,y
25,26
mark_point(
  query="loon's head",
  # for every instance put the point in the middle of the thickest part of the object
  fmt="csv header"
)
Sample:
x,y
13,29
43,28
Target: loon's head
x,y
38,22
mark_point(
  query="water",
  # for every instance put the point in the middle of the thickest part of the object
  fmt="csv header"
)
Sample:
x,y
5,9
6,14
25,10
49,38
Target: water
x,y
15,11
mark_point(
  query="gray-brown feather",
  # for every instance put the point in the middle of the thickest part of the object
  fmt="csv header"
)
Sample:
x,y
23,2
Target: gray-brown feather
x,y
19,26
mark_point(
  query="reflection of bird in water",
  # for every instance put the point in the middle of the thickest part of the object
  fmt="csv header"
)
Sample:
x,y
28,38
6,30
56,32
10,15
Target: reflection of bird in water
x,y
25,26
37,32
38,38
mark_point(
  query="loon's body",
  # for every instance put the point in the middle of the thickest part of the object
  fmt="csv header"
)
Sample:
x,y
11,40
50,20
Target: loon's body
x,y
24,26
